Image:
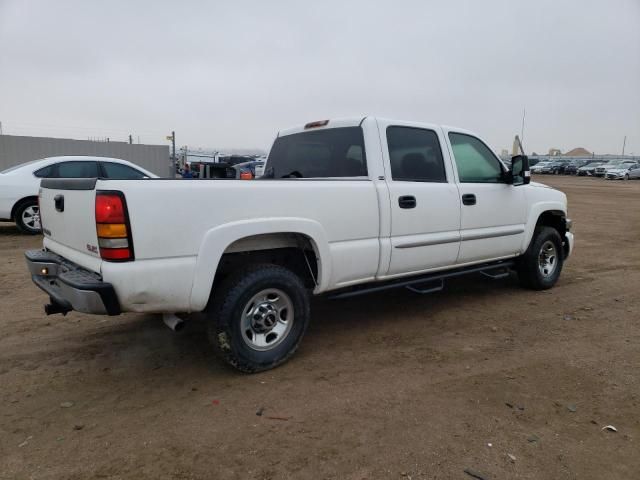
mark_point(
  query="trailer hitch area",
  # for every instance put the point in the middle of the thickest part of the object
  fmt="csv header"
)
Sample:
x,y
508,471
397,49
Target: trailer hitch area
x,y
54,307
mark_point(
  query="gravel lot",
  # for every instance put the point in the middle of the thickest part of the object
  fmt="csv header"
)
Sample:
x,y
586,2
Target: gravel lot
x,y
484,376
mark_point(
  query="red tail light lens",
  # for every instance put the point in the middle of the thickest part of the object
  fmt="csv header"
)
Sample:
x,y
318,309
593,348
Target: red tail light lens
x,y
115,253
109,208
112,226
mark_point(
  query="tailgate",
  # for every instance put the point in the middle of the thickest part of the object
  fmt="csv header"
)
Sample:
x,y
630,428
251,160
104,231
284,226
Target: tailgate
x,y
67,211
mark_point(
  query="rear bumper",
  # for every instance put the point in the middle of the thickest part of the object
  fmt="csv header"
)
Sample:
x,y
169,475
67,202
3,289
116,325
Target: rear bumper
x,y
70,286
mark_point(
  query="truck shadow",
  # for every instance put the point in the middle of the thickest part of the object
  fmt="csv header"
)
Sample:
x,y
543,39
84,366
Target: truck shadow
x,y
136,343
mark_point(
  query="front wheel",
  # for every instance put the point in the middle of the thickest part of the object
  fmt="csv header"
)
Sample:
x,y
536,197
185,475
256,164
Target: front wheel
x,y
258,317
540,266
27,217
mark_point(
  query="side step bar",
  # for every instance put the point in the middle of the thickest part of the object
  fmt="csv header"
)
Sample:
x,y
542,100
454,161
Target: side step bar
x,y
492,270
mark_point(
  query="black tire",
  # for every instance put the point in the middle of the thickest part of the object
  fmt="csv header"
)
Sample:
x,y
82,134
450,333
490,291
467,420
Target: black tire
x,y
225,316
23,224
530,273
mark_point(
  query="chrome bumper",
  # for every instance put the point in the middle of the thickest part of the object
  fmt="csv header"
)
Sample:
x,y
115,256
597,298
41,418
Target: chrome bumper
x,y
69,286
569,244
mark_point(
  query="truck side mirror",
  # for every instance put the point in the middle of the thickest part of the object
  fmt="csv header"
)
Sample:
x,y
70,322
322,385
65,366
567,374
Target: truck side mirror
x,y
520,173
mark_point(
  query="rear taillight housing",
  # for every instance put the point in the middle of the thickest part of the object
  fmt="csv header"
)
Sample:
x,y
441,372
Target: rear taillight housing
x,y
113,227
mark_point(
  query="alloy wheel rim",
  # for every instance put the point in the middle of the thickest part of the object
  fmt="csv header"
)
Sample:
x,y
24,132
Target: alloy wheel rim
x,y
31,217
267,319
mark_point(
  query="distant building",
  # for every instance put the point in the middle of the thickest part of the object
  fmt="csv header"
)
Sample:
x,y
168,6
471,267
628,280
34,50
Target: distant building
x,y
554,151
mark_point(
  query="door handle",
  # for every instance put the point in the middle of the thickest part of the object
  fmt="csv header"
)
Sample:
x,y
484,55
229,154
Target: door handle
x,y
468,199
407,201
58,201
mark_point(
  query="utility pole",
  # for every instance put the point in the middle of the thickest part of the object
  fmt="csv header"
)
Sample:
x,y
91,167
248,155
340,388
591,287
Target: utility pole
x,y
130,139
172,137
624,143
173,145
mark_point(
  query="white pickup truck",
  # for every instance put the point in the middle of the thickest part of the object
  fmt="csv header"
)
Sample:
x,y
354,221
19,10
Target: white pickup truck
x,y
345,207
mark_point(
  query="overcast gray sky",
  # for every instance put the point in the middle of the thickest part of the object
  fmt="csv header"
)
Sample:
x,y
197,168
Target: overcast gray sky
x,y
230,74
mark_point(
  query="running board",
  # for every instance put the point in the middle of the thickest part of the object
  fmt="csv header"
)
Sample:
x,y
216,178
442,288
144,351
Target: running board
x,y
422,291
497,275
414,283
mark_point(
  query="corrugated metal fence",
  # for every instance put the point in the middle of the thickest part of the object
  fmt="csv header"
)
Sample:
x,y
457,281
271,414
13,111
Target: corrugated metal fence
x,y
15,150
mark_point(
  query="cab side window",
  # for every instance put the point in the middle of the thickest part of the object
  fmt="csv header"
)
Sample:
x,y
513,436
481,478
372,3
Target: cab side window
x,y
415,155
475,162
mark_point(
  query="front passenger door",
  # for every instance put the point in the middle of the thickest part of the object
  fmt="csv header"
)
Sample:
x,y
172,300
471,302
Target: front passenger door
x,y
493,212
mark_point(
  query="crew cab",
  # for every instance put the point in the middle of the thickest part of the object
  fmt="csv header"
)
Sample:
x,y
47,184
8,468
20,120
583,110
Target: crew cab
x,y
345,207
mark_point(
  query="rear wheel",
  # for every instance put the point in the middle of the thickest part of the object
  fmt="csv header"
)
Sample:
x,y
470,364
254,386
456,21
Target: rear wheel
x,y
27,217
540,266
258,317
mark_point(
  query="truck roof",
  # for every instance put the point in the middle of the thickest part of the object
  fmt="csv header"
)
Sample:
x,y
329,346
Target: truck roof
x,y
356,121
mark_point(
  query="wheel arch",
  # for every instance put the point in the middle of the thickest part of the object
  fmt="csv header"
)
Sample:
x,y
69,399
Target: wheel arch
x,y
253,241
19,202
551,214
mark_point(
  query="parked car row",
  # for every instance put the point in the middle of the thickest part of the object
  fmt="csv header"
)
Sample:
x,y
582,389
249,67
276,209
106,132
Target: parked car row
x,y
613,170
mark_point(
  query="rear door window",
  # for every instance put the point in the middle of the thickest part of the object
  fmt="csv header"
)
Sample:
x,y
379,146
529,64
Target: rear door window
x,y
415,155
333,152
121,172
77,170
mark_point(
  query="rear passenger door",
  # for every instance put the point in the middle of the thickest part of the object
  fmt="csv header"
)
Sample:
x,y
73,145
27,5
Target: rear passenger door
x,y
492,221
425,204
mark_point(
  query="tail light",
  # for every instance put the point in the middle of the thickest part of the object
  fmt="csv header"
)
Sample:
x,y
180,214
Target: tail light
x,y
246,175
113,227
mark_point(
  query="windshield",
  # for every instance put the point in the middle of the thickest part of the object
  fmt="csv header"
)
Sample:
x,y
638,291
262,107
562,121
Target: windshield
x,y
332,152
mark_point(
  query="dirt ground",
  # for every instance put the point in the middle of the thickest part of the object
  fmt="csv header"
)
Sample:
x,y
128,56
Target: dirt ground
x,y
484,376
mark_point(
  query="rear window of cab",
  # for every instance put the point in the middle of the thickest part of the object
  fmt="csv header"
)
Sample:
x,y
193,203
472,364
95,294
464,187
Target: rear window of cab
x,y
329,153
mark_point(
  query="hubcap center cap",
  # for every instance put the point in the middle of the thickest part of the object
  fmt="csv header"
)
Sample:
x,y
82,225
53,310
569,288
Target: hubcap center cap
x,y
264,317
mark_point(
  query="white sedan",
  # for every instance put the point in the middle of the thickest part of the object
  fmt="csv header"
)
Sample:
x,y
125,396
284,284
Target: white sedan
x,y
19,185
